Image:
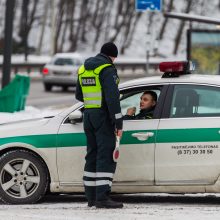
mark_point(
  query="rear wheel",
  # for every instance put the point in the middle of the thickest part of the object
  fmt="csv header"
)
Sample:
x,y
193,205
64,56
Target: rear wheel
x,y
47,87
23,177
65,88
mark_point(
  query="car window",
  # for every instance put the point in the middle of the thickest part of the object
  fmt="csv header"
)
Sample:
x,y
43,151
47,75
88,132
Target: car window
x,y
64,61
78,62
132,99
195,101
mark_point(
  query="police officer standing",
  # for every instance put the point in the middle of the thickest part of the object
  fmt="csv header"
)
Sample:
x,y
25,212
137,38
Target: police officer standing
x,y
97,87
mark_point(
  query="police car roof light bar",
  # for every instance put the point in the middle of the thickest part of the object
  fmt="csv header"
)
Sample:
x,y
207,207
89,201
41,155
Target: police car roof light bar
x,y
176,68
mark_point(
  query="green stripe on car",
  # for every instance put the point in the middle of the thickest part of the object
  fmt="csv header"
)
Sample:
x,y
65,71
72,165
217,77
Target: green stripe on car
x,y
188,135
79,139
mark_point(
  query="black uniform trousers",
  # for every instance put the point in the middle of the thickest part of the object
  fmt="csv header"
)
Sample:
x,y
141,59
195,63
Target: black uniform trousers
x,y
100,167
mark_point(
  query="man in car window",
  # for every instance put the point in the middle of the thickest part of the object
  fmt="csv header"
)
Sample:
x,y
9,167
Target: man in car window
x,y
148,102
97,87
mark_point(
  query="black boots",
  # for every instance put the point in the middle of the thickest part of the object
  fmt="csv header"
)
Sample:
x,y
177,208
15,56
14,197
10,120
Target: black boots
x,y
108,204
91,203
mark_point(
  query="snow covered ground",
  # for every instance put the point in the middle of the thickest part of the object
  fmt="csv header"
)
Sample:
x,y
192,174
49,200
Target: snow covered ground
x,y
136,207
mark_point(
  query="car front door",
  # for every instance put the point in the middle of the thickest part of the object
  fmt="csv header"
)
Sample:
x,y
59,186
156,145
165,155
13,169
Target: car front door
x,y
137,148
71,150
188,139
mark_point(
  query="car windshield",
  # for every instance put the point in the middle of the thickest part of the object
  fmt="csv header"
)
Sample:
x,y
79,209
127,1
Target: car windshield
x,y
64,62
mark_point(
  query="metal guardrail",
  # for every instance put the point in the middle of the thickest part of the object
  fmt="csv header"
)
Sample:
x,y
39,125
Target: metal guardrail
x,y
25,67
121,66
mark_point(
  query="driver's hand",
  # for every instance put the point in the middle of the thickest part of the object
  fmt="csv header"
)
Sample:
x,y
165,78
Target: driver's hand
x,y
131,111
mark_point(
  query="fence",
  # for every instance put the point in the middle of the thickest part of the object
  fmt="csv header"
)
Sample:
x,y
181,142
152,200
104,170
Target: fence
x,y
124,67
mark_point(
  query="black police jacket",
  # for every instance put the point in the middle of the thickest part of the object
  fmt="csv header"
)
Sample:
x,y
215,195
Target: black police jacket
x,y
108,79
143,114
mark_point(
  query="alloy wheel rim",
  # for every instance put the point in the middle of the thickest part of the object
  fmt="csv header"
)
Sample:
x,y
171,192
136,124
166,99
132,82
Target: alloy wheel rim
x,y
20,178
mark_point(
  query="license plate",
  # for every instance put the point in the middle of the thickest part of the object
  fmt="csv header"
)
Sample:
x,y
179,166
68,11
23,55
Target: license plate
x,y
62,73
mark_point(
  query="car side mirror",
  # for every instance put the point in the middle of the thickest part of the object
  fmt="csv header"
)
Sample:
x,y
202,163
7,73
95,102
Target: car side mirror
x,y
75,117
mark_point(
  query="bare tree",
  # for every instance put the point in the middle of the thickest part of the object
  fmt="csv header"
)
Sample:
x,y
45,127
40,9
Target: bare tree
x,y
122,9
75,29
108,19
181,27
84,19
130,23
44,19
27,19
59,22
129,33
165,22
99,18
64,34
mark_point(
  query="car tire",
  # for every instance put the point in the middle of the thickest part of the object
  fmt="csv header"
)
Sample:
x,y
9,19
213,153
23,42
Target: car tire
x,y
47,87
64,88
23,177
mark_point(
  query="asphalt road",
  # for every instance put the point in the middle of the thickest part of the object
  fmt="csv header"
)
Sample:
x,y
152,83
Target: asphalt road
x,y
56,98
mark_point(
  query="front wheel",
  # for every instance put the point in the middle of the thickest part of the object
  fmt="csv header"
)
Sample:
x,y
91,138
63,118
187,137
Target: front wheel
x,y
23,177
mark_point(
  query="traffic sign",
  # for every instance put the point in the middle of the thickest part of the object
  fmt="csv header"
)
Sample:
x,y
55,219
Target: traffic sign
x,y
152,5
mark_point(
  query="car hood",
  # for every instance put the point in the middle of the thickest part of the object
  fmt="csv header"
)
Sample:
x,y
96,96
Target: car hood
x,y
25,121
25,127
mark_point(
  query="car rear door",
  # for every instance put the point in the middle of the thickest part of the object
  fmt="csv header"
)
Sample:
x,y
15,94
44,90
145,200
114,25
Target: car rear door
x,y
188,139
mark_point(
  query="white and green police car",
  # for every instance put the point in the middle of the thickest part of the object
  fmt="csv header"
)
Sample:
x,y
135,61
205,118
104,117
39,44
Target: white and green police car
x,y
178,151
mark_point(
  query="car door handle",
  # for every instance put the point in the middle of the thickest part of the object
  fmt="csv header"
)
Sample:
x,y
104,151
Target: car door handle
x,y
142,136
